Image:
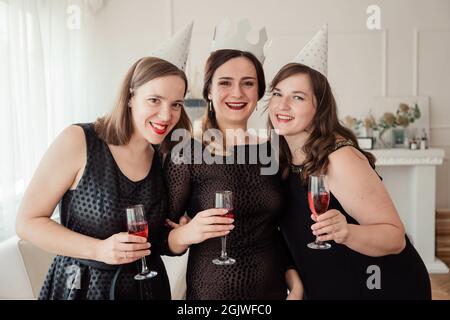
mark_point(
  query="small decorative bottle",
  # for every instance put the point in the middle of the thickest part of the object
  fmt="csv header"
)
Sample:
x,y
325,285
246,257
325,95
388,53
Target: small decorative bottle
x,y
424,141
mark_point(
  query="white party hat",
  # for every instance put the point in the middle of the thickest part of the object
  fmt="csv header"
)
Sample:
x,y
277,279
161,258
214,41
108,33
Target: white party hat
x,y
225,39
176,49
315,53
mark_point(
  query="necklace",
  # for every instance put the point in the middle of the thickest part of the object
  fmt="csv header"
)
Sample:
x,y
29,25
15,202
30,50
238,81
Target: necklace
x,y
296,169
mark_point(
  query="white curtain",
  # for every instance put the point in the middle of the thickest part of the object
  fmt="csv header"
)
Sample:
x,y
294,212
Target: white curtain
x,y
43,55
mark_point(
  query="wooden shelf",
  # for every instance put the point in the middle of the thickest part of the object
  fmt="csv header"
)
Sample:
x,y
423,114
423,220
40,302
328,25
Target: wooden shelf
x,y
443,235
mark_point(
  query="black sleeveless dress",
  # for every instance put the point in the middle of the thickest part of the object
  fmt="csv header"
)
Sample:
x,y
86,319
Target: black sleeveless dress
x,y
255,242
97,209
339,272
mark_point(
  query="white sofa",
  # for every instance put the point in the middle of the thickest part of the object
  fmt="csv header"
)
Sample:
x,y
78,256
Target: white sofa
x,y
23,267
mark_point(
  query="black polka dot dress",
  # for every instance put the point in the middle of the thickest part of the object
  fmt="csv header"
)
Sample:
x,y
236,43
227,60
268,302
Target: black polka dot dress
x,y
97,209
255,242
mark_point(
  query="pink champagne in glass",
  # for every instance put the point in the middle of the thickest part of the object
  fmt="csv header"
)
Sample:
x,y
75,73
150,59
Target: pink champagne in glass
x,y
138,226
139,229
318,204
224,200
318,200
229,214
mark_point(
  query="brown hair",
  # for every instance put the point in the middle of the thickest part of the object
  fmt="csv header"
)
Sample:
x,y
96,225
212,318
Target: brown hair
x,y
215,60
326,127
116,127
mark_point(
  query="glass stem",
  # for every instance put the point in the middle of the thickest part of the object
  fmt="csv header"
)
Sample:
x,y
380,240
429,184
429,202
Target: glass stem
x,y
318,242
144,266
224,255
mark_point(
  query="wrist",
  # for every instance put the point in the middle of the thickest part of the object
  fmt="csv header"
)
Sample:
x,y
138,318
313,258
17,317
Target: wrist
x,y
180,236
350,233
94,251
177,243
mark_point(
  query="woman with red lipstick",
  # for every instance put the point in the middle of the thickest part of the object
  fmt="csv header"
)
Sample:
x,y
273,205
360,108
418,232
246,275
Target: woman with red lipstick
x,y
95,171
370,256
233,84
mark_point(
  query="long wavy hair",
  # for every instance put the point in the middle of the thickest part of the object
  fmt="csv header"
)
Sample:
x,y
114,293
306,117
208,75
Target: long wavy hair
x,y
116,128
325,127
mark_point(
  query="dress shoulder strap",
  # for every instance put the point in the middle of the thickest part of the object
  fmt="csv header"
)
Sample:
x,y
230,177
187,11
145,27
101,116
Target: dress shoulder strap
x,y
343,143
90,134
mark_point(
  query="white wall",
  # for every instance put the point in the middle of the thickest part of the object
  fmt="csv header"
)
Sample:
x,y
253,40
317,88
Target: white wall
x,y
409,56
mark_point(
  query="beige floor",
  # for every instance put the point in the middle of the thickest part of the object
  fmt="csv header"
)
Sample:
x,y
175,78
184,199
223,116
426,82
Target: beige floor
x,y
440,285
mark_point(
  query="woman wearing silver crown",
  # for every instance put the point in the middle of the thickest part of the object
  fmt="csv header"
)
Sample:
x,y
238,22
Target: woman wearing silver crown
x,y
233,84
367,255
97,170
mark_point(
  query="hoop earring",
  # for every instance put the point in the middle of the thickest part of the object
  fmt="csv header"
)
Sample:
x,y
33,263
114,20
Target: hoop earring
x,y
210,105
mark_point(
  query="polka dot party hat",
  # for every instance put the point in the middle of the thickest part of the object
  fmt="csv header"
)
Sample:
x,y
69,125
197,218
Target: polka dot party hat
x,y
315,53
176,49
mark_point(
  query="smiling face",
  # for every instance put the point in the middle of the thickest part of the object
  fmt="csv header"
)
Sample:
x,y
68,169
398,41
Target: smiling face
x,y
234,92
293,105
156,107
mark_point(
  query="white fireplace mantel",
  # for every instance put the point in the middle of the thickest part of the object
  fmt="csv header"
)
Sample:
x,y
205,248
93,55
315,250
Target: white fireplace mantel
x,y
410,177
406,157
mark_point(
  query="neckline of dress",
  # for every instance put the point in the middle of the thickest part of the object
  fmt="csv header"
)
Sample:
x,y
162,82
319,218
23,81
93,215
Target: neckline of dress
x,y
123,174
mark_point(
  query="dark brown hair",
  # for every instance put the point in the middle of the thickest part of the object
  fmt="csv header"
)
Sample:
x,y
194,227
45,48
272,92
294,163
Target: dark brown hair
x,y
326,128
215,60
116,128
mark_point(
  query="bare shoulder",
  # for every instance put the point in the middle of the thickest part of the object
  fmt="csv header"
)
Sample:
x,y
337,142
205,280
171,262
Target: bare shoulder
x,y
70,147
55,174
347,159
73,135
346,153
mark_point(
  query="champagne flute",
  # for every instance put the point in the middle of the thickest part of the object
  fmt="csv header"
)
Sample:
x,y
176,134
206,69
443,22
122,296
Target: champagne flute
x,y
224,199
138,226
318,199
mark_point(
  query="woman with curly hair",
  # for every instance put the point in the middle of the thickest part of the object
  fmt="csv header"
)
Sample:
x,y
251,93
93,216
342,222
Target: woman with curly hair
x,y
370,256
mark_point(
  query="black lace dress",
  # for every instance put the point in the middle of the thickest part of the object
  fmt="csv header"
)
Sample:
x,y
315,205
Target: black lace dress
x,y
255,242
339,272
97,209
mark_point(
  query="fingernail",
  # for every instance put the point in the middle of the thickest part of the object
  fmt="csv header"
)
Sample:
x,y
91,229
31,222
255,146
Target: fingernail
x,y
225,210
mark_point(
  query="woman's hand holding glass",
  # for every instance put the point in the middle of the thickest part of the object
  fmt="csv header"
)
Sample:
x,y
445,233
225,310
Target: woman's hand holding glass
x,y
122,248
331,225
205,225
